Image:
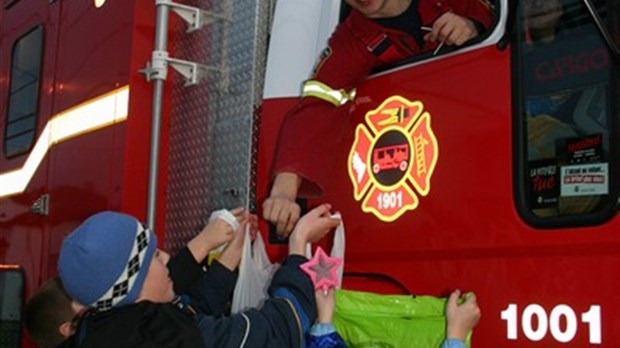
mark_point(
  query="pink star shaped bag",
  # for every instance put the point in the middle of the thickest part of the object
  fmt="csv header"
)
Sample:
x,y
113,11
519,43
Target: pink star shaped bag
x,y
338,248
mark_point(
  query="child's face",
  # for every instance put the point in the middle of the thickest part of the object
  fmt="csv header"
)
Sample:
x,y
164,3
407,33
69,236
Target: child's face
x,y
157,284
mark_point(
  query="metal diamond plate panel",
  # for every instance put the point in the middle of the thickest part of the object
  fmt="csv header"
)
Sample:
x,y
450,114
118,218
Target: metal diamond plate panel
x,y
212,140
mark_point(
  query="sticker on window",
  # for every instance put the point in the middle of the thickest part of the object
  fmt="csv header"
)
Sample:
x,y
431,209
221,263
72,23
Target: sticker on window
x,y
584,179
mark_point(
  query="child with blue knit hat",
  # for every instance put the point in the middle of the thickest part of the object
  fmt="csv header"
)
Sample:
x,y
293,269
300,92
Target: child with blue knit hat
x,y
51,315
111,262
107,249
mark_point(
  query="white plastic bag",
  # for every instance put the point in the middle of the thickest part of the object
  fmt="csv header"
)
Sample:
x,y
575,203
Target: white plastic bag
x,y
255,273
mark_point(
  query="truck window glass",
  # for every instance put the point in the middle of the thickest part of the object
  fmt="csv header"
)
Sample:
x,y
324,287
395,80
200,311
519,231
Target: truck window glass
x,y
21,116
566,112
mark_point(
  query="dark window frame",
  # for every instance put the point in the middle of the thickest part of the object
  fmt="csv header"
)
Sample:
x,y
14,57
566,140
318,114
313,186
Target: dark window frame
x,y
520,149
35,116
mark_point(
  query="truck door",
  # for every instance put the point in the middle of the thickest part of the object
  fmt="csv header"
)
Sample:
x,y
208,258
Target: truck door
x,y
92,78
27,44
511,187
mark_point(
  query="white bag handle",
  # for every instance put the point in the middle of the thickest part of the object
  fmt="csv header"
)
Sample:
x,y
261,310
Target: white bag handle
x,y
338,249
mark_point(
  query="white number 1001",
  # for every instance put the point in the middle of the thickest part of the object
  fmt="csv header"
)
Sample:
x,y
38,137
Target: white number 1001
x,y
560,313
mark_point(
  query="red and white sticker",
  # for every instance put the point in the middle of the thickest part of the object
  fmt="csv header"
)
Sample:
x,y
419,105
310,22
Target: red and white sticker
x,y
584,179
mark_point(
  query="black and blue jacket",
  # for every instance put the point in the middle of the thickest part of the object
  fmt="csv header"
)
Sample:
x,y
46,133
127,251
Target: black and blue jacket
x,y
282,321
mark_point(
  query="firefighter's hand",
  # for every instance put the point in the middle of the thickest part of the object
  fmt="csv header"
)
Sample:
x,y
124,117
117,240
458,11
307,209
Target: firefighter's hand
x,y
282,212
461,317
311,228
452,29
280,208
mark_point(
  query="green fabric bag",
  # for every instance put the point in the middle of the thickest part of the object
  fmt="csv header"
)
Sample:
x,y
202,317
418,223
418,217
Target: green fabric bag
x,y
371,320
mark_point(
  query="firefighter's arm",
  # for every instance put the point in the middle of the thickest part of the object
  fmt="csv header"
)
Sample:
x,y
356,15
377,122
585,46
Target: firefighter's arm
x,y
280,207
344,63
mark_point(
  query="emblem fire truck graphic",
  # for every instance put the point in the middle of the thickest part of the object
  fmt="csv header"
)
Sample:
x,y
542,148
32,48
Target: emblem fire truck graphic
x,y
392,159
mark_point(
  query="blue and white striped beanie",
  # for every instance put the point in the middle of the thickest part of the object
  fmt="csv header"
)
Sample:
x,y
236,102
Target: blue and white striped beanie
x,y
103,262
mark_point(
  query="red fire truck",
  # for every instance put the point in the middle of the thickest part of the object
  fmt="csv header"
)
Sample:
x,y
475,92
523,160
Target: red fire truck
x,y
169,110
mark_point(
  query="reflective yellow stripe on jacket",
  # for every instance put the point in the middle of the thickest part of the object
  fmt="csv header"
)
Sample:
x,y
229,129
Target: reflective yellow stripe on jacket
x,y
313,88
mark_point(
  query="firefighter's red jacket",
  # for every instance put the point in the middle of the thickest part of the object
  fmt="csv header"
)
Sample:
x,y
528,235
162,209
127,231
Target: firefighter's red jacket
x,y
312,130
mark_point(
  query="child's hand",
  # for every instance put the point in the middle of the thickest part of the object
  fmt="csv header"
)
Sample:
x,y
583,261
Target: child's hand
x,y
231,256
311,228
216,233
239,213
461,317
325,304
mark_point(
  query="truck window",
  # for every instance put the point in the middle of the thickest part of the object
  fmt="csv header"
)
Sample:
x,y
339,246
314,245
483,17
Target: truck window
x,y
21,116
566,81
